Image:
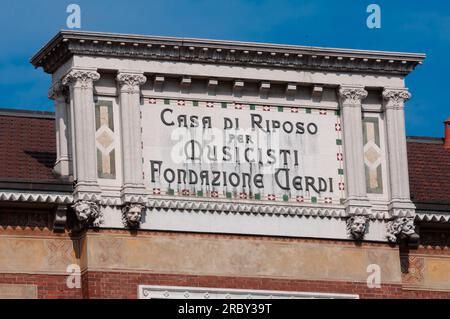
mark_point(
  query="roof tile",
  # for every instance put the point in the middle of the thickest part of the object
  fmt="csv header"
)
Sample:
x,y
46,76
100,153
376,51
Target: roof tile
x,y
28,150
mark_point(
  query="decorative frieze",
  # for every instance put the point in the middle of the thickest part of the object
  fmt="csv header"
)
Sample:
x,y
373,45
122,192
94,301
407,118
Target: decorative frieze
x,y
413,269
68,43
245,208
35,197
25,218
432,216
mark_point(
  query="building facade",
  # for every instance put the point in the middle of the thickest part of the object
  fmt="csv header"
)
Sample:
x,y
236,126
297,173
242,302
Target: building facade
x,y
186,168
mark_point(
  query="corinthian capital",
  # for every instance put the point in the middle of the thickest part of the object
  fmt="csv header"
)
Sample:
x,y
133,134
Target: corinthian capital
x,y
351,95
395,98
81,78
130,82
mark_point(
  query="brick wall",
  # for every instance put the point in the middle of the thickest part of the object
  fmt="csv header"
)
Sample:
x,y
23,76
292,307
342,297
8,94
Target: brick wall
x,y
125,285
122,285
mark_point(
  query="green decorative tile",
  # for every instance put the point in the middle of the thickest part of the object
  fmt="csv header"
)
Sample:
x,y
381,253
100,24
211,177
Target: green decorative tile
x,y
337,113
167,101
200,193
342,201
308,111
224,105
314,200
258,196
285,198
171,192
252,107
341,171
229,195
194,103
280,109
338,142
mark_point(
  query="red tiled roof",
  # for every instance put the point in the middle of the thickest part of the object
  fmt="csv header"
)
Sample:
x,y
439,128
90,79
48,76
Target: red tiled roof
x,y
429,169
27,146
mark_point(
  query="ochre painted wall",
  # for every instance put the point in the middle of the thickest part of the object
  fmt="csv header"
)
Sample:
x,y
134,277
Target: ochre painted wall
x,y
114,263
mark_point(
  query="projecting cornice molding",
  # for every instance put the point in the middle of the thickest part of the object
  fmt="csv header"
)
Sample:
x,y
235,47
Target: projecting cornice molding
x,y
68,43
219,207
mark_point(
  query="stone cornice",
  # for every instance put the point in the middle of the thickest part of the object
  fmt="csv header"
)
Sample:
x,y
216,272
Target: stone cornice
x,y
68,43
35,197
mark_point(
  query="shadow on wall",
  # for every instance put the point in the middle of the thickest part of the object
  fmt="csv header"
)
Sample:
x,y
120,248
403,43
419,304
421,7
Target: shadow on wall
x,y
45,158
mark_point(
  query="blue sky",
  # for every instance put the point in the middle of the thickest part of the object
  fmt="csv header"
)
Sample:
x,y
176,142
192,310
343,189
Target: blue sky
x,y
410,26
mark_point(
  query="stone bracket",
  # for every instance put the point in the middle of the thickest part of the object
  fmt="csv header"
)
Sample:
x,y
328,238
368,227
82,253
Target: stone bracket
x,y
60,221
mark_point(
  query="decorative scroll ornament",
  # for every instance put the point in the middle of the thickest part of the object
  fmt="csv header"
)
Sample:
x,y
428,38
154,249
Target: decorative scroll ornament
x,y
401,228
130,82
88,213
357,226
84,79
132,215
395,98
352,95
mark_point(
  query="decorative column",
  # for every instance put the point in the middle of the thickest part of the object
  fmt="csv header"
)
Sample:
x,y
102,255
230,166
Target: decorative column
x,y
351,98
81,85
394,102
59,94
133,184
